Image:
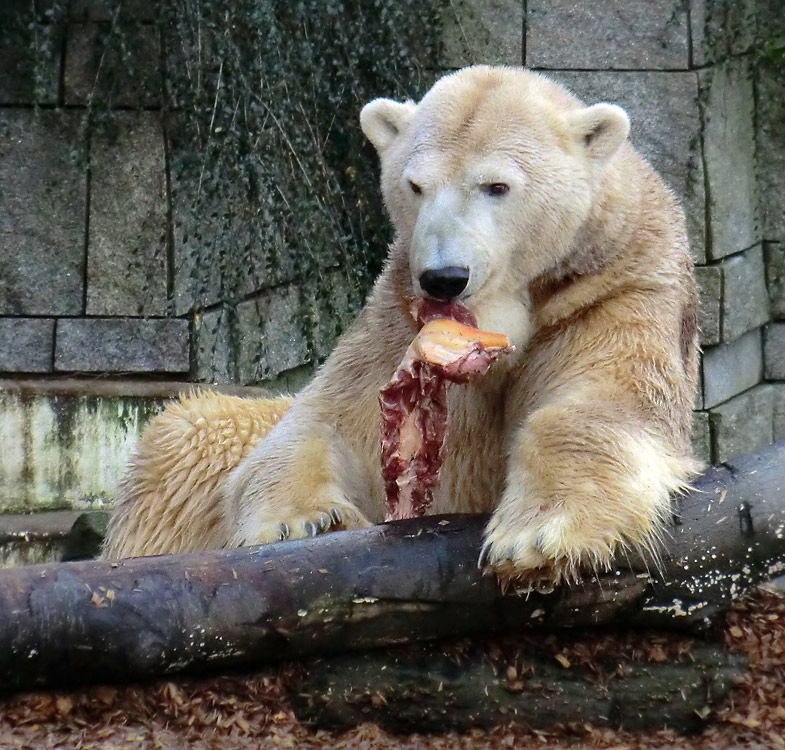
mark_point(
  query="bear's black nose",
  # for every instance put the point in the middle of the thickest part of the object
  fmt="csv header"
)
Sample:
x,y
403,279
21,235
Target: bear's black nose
x,y
444,283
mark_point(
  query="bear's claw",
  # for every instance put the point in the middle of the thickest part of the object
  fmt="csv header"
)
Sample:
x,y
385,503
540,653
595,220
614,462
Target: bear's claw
x,y
523,563
543,580
322,524
313,524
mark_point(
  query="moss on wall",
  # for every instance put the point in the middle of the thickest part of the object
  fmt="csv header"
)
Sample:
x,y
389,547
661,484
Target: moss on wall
x,y
269,179
66,451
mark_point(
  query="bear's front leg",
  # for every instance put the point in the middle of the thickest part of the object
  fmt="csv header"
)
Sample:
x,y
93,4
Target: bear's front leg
x,y
584,481
301,480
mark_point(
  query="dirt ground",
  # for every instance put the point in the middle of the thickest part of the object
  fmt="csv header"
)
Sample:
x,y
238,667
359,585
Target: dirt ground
x,y
252,712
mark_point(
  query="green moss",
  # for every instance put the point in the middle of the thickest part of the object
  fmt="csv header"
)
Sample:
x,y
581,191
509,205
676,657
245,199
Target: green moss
x,y
736,27
66,452
271,179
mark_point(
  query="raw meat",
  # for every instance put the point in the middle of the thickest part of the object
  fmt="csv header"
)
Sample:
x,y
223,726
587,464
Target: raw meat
x,y
414,403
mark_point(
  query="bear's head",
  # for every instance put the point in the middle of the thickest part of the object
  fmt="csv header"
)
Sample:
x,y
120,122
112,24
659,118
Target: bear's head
x,y
489,180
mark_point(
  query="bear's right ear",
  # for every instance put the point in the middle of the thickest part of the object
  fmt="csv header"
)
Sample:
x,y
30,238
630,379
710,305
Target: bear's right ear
x,y
383,120
602,128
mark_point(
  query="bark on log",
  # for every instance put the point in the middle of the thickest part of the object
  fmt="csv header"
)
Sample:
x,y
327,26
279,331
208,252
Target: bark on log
x,y
398,583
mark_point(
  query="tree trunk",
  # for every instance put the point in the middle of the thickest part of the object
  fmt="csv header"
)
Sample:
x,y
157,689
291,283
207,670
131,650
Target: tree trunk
x,y
393,584
430,688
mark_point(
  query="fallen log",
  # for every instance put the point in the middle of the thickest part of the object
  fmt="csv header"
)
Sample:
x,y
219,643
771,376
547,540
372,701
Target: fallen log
x,y
662,682
397,583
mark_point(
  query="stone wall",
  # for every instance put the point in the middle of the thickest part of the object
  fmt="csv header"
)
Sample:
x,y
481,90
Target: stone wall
x,y
97,278
707,112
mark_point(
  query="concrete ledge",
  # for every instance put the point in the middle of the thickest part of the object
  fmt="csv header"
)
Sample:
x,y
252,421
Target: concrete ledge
x,y
36,526
32,538
28,539
103,387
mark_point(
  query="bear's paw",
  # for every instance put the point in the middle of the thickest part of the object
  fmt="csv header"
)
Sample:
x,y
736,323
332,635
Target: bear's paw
x,y
539,550
272,527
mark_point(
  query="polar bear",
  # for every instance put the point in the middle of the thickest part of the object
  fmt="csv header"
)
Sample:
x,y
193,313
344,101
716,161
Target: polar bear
x,y
513,199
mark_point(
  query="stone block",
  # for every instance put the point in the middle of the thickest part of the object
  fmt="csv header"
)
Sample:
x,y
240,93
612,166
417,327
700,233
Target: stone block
x,y
721,28
666,129
213,346
742,425
121,71
697,398
225,246
774,254
220,253
253,342
771,149
700,437
26,344
30,54
644,34
263,340
729,156
126,261
105,10
733,296
482,31
730,369
709,280
42,213
774,351
335,304
745,300
271,337
778,401
198,246
122,345
770,18
200,256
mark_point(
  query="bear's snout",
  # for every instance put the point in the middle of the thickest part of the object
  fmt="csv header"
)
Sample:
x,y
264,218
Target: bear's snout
x,y
445,283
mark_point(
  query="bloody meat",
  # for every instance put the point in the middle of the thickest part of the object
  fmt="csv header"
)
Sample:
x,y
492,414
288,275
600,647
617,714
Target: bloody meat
x,y
414,404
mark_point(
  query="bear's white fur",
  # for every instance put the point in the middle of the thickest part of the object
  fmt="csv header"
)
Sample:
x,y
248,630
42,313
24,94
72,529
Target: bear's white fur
x,y
577,251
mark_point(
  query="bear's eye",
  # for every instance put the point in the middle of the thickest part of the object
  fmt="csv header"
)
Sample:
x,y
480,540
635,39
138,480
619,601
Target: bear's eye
x,y
495,189
416,189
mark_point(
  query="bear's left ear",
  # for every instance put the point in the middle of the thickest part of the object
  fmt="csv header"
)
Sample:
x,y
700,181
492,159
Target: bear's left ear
x,y
383,120
603,128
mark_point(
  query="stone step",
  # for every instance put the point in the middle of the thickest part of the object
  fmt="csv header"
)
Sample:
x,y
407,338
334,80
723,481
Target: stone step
x,y
30,538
